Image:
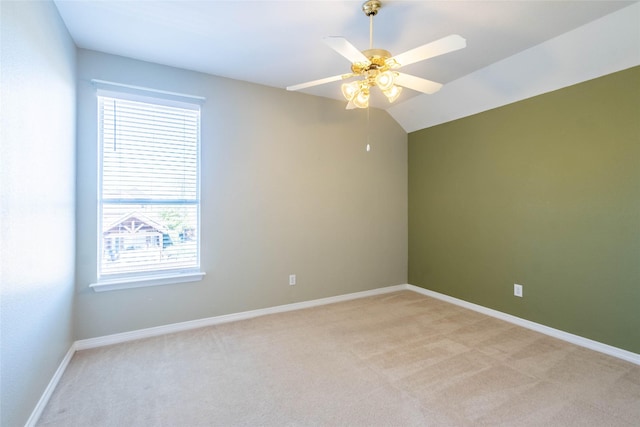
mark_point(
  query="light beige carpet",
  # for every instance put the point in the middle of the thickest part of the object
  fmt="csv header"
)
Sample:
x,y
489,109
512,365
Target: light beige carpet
x,y
400,359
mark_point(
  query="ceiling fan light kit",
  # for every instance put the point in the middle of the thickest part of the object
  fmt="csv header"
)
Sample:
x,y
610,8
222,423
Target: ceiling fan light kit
x,y
376,67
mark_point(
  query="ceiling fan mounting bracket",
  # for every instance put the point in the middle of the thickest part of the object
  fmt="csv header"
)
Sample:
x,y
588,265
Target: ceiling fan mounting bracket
x,y
371,7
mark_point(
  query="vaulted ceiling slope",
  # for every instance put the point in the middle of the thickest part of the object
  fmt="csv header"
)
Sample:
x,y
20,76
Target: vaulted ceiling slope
x,y
515,49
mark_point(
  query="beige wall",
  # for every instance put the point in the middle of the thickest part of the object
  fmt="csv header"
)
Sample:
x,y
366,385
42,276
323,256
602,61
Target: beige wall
x,y
287,188
37,188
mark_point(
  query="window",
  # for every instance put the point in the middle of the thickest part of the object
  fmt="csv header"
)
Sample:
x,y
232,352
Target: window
x,y
149,192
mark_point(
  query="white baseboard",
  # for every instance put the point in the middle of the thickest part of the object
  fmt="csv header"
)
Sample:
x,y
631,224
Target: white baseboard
x,y
209,321
46,395
556,333
194,324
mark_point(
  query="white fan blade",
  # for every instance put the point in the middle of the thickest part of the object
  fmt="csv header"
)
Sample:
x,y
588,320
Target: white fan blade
x,y
417,83
319,82
346,49
429,50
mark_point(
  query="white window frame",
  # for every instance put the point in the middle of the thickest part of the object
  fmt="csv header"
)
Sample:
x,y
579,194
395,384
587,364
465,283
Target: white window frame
x,y
145,278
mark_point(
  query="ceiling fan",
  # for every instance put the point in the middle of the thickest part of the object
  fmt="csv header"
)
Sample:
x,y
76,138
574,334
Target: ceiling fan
x,y
376,67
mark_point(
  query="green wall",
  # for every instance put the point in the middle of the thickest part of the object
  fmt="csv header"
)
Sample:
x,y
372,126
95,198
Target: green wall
x,y
545,193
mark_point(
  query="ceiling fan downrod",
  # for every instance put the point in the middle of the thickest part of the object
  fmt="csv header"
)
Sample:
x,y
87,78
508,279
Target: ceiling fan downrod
x,y
370,8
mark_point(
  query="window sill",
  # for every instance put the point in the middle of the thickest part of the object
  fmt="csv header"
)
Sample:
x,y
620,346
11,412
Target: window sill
x,y
141,282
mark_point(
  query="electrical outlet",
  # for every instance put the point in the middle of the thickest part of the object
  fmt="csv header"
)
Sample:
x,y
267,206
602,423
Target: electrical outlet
x,y
517,290
292,279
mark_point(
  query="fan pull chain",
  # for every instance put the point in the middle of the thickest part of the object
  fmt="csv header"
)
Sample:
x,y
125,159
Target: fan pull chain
x,y
368,132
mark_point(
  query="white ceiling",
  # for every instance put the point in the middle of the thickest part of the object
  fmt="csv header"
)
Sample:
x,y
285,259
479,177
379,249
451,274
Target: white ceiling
x,y
279,43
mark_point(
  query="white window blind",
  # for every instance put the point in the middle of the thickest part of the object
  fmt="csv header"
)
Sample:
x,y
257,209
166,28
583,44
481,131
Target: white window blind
x,y
149,202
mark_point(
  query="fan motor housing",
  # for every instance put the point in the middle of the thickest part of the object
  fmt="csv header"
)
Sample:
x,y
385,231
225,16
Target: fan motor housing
x,y
377,60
